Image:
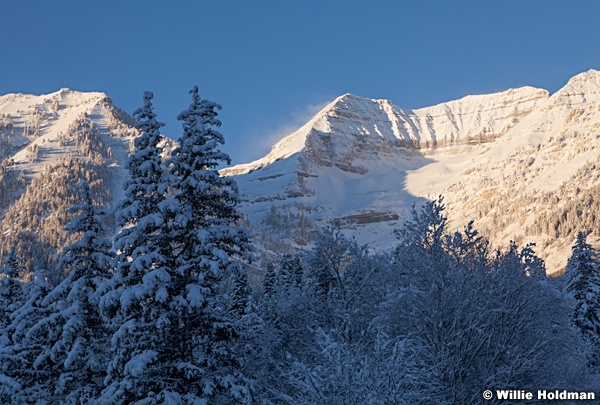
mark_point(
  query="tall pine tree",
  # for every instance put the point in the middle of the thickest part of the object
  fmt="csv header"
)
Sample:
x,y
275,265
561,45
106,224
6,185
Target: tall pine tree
x,y
583,283
173,335
138,303
207,200
75,351
138,213
209,246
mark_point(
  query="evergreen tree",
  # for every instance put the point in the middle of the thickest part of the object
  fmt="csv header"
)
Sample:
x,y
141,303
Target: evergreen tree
x,y
269,280
138,214
268,303
138,302
75,352
11,292
23,378
290,271
240,297
583,283
209,246
207,200
173,333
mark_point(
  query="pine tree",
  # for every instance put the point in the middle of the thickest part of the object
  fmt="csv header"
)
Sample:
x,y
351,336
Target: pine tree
x,y
207,200
24,379
138,303
583,283
239,299
269,280
173,334
75,352
138,214
268,303
209,246
290,271
11,292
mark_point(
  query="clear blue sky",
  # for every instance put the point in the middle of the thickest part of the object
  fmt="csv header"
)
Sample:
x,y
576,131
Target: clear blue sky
x,y
272,63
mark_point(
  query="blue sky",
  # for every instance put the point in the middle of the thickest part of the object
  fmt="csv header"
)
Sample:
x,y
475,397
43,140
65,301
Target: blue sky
x,y
272,64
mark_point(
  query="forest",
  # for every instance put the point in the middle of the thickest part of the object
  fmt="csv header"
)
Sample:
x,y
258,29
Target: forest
x,y
162,312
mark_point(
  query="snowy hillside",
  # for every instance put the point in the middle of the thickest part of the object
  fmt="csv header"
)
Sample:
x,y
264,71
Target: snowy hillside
x,y
49,143
518,162
36,131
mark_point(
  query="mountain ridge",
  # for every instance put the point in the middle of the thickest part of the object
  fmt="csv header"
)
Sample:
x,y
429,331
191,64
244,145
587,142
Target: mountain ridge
x,y
353,166
402,124
518,162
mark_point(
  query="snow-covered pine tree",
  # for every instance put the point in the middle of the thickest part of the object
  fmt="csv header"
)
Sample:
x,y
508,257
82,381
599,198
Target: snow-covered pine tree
x,y
240,293
173,333
583,283
269,280
11,292
282,289
74,354
290,271
140,297
267,306
208,244
22,379
208,200
138,213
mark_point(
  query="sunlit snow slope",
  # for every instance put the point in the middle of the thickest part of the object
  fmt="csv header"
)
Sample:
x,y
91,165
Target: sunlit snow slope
x,y
37,131
522,163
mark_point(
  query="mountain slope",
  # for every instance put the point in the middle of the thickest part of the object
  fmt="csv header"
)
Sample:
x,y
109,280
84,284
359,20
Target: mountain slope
x,y
50,143
506,160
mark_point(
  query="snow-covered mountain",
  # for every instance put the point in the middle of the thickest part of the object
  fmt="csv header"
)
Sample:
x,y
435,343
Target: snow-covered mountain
x,y
522,163
48,144
38,130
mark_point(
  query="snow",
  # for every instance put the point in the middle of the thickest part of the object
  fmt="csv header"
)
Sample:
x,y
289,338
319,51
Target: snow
x,y
289,145
58,111
346,161
137,366
350,114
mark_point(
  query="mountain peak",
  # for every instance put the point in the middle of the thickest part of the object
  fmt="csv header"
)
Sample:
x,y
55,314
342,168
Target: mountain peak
x,y
350,124
13,102
591,74
350,121
578,90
